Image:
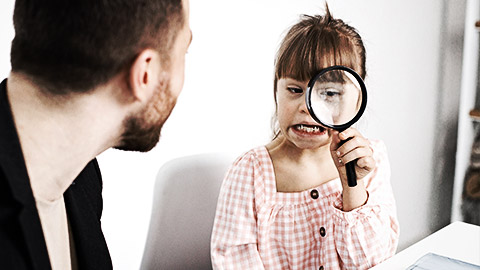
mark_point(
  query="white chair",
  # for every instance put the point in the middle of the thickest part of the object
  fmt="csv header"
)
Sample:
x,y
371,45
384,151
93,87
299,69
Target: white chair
x,y
184,203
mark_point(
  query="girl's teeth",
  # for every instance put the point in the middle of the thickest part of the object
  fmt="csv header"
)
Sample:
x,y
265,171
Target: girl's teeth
x,y
308,129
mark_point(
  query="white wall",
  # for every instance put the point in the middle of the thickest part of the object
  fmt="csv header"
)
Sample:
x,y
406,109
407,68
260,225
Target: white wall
x,y
226,104
7,33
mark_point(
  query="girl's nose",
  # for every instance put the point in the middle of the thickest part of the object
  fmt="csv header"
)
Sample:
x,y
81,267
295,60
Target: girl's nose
x,y
303,107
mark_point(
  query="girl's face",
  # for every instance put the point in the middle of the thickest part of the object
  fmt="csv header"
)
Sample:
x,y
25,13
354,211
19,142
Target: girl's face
x,y
296,124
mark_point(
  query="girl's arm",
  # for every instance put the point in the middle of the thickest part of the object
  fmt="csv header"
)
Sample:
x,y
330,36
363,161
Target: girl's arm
x,y
368,234
234,235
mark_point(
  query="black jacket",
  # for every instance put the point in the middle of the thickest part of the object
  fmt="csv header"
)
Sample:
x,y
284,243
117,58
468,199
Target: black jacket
x,y
22,244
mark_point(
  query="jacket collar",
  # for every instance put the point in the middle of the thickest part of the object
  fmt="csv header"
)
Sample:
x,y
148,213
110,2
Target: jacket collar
x,y
12,164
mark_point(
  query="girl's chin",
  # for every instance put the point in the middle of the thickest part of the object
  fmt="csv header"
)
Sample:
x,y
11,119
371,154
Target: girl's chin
x,y
310,144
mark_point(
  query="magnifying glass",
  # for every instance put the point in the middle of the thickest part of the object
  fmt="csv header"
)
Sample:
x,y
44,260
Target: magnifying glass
x,y
336,98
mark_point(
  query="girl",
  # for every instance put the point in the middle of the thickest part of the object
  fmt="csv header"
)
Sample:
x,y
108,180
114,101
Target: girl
x,y
287,205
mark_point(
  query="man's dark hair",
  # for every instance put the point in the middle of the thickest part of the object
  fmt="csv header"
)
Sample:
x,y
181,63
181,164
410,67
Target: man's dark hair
x,y
75,45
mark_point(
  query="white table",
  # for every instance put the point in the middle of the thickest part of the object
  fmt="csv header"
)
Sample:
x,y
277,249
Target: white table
x,y
458,240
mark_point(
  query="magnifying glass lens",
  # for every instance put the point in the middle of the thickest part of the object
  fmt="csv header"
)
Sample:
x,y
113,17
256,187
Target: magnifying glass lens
x,y
336,97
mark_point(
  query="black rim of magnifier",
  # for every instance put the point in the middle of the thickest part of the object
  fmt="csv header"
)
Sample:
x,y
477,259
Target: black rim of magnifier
x,y
308,94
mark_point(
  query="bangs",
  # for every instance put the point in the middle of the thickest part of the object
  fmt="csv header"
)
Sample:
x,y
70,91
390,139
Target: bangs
x,y
305,55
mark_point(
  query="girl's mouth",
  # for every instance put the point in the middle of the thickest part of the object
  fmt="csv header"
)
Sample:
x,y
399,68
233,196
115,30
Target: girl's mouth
x,y
309,129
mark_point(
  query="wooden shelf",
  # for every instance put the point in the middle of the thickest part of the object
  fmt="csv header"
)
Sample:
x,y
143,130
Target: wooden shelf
x,y
475,114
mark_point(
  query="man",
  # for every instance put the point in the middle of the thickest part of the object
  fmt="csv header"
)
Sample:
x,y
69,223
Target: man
x,y
86,75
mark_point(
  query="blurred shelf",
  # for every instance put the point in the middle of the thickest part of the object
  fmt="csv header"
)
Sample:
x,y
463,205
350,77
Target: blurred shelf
x,y
475,114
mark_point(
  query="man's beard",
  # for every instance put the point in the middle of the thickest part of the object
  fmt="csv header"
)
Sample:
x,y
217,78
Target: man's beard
x,y
142,130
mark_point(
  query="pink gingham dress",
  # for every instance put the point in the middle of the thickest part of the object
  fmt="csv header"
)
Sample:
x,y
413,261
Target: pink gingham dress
x,y
257,227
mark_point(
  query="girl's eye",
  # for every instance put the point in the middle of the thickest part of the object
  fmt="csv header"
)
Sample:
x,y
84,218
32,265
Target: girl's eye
x,y
295,90
328,92
331,93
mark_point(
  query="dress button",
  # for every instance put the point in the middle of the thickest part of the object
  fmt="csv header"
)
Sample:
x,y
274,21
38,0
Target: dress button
x,y
314,194
322,231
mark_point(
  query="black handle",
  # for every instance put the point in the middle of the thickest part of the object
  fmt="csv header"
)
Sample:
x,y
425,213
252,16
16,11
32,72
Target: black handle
x,y
350,168
351,175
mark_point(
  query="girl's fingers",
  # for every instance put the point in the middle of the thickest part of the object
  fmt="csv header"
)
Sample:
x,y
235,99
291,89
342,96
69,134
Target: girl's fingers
x,y
351,144
363,165
349,133
357,153
339,139
366,163
336,142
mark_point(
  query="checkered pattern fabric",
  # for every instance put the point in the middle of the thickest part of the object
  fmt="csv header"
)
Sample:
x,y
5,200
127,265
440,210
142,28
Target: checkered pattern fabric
x,y
257,227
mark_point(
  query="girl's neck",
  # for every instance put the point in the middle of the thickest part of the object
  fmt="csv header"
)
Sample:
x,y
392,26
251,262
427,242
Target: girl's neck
x,y
300,169
281,148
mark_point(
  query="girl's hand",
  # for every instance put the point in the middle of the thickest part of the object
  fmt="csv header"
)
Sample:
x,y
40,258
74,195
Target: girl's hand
x,y
348,146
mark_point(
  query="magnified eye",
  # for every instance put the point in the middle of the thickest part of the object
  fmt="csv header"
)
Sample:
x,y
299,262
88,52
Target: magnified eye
x,y
295,90
329,94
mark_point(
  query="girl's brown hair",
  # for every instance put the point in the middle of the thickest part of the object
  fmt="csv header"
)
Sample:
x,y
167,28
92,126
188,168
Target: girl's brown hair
x,y
314,43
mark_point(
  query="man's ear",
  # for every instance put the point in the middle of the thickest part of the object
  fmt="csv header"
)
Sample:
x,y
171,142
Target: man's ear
x,y
144,74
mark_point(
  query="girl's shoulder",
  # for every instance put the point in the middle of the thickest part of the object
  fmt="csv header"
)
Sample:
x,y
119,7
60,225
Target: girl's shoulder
x,y
253,170
255,156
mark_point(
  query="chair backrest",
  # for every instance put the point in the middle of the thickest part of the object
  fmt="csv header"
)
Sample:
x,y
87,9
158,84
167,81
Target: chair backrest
x,y
184,204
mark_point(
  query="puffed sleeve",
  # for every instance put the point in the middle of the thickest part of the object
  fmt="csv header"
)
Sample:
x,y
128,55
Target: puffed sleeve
x,y
234,235
369,234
